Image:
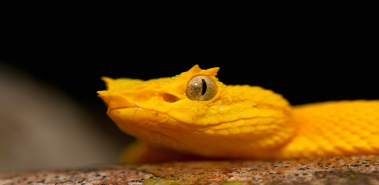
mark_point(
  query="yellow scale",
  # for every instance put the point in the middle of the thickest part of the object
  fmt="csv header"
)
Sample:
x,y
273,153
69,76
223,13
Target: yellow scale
x,y
193,116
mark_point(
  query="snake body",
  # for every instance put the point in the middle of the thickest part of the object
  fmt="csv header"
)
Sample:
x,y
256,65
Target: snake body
x,y
238,121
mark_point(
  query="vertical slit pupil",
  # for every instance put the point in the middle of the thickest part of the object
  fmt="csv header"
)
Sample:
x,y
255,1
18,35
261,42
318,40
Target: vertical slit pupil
x,y
204,87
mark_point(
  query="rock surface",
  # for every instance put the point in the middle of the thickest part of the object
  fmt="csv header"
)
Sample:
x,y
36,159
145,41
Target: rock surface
x,y
341,170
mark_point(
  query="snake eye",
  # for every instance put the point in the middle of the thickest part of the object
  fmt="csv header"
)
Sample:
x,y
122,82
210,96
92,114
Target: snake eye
x,y
201,88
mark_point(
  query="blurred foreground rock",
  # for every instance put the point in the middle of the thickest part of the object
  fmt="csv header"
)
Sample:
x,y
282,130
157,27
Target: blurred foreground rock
x,y
41,127
341,170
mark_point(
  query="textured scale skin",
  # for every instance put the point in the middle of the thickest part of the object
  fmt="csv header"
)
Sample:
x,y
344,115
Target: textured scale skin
x,y
240,122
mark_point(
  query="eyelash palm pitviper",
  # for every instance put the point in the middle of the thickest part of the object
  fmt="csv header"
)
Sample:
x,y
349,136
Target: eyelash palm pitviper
x,y
194,113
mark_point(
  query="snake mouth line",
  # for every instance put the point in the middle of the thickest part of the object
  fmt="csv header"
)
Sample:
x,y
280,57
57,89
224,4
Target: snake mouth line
x,y
192,126
122,108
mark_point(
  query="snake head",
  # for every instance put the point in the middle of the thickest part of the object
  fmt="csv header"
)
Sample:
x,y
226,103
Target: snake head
x,y
196,113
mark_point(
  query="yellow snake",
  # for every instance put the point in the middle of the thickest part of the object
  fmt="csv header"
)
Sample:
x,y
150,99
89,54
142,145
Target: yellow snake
x,y
194,113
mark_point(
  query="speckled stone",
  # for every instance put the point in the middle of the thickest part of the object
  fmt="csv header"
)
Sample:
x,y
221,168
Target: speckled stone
x,y
341,170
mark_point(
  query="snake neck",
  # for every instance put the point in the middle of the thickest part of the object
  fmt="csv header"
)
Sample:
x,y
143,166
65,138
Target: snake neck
x,y
333,129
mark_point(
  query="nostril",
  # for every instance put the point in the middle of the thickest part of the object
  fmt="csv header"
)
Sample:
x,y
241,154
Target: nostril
x,y
170,98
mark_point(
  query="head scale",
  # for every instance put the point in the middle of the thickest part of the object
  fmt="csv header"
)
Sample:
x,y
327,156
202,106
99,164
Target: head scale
x,y
159,113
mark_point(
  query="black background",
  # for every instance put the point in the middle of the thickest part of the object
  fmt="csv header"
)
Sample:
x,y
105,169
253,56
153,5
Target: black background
x,y
306,54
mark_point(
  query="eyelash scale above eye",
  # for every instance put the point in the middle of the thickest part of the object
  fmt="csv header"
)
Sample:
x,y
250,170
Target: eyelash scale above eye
x,y
201,88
